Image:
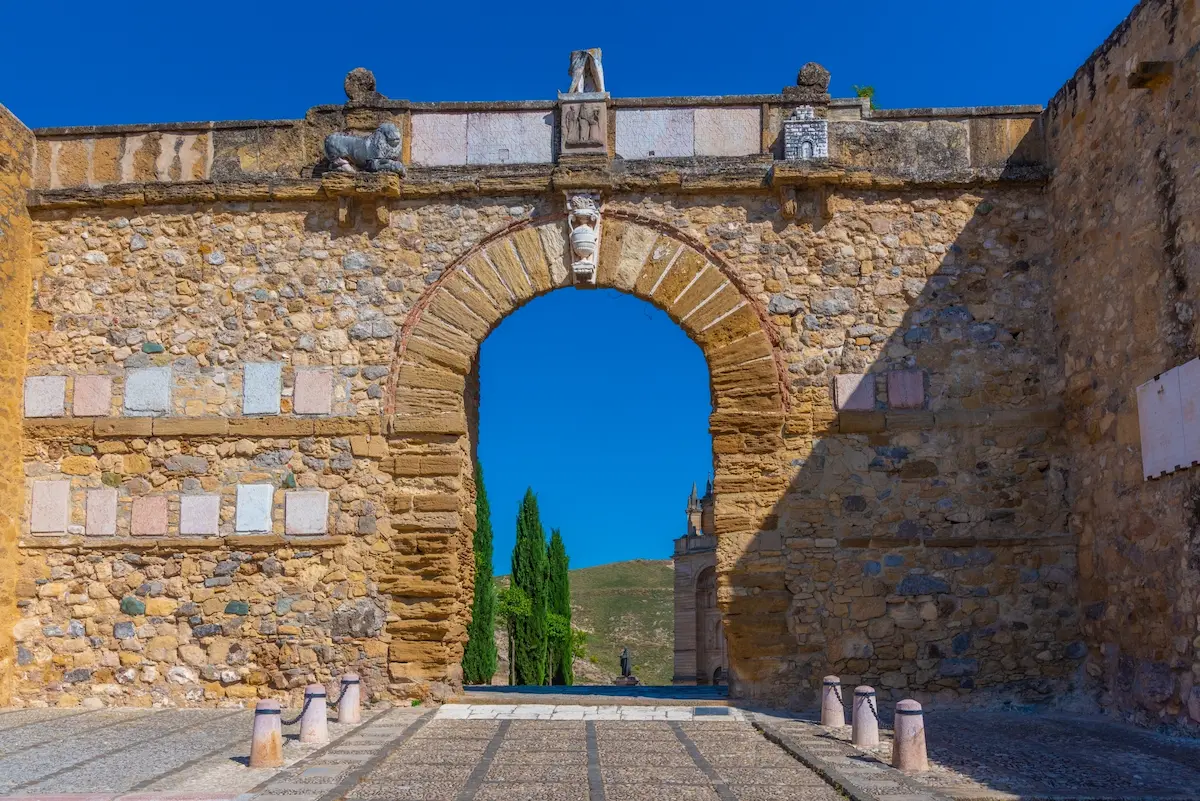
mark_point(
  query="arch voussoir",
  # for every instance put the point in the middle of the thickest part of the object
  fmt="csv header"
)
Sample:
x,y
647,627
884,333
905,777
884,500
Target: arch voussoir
x,y
433,402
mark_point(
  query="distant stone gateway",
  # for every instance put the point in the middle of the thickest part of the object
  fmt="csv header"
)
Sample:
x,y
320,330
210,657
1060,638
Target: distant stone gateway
x,y
239,396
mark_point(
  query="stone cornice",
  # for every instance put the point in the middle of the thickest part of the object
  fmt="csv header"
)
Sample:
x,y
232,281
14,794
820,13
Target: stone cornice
x,y
751,174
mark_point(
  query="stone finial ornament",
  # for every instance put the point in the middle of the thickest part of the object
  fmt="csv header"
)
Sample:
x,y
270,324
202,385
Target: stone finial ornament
x,y
812,85
360,85
377,152
805,136
587,73
583,218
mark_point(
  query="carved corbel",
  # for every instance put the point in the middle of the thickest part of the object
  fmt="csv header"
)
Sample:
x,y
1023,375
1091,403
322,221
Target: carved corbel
x,y
808,204
583,220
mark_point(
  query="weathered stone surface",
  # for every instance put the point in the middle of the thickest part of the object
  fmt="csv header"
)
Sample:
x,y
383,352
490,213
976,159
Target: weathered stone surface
x,y
255,503
148,390
262,383
313,391
306,512
513,137
655,133
50,508
727,131
92,396
854,392
439,139
149,517
101,506
199,515
45,396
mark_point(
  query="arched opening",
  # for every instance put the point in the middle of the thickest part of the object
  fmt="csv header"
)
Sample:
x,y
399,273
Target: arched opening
x,y
806,149
432,425
600,404
712,658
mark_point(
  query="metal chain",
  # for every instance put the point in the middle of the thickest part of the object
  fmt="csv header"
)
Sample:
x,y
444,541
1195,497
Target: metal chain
x,y
303,709
837,690
871,706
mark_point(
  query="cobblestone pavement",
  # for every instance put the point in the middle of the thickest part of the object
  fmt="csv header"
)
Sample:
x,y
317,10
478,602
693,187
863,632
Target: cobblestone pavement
x,y
581,712
511,758
1004,756
178,754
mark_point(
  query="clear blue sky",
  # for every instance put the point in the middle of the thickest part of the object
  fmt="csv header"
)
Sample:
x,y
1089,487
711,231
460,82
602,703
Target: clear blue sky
x,y
88,63
601,403
611,437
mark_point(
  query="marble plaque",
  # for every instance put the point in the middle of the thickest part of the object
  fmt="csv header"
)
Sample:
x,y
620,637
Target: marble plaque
x,y
45,396
306,512
254,505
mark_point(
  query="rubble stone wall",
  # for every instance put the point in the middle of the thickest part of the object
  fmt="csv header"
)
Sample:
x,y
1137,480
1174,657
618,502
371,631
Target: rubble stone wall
x,y
16,258
914,538
1124,201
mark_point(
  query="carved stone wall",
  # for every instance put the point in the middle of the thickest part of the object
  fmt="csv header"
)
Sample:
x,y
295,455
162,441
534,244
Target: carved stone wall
x,y
1124,203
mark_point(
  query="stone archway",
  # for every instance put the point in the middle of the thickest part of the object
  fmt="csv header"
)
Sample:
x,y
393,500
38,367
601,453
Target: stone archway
x,y
433,409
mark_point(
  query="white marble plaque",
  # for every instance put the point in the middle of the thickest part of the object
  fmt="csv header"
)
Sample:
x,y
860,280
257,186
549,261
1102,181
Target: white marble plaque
x,y
1189,402
262,383
1160,419
254,504
306,512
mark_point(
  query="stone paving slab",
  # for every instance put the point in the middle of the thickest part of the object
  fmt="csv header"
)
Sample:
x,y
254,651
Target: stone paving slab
x,y
567,712
980,756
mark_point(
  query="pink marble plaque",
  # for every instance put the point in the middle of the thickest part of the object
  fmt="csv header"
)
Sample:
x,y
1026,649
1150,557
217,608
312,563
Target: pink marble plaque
x,y
93,396
149,516
906,389
101,513
313,393
306,512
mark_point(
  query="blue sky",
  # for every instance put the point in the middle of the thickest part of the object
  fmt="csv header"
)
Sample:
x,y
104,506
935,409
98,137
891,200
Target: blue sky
x,y
595,399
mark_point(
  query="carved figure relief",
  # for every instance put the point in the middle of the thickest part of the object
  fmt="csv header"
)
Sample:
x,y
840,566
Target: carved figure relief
x,y
583,218
584,125
587,74
378,152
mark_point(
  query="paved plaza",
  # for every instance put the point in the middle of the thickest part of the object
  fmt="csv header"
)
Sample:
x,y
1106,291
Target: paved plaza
x,y
590,752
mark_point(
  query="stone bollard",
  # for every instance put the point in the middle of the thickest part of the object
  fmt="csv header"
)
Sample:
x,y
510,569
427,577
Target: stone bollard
x,y
908,742
833,713
350,701
314,720
266,742
864,720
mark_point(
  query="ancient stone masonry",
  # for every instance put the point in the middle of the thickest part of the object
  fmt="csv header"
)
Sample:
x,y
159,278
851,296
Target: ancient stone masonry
x,y
251,386
1127,267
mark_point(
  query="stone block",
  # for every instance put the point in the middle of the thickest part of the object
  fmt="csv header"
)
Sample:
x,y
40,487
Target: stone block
x,y
728,131
262,384
45,395
313,393
51,507
93,396
854,393
254,505
149,516
148,391
101,511
439,139
306,512
906,389
199,515
510,137
655,133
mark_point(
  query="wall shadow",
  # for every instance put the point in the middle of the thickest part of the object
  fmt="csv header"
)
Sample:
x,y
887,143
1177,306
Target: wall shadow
x,y
920,542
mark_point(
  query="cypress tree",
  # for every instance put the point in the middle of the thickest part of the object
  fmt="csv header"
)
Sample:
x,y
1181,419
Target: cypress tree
x,y
529,569
559,603
479,657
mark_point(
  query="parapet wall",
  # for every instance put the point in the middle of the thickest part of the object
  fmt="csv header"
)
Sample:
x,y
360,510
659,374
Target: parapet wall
x,y
1121,138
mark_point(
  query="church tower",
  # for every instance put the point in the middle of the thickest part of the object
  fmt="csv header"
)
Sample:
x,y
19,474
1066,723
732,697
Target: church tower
x,y
701,656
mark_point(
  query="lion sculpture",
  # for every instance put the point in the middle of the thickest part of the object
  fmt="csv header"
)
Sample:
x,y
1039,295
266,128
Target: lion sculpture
x,y
378,152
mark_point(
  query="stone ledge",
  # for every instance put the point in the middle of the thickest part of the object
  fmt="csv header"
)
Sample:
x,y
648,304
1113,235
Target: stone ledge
x,y
171,544
871,422
47,428
1053,540
700,174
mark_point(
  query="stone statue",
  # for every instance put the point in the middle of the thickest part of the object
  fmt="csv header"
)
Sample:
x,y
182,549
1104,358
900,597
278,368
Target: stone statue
x,y
626,664
587,75
378,152
583,218
812,85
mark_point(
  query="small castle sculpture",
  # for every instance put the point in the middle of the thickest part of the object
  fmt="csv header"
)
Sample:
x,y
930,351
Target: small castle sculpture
x,y
805,136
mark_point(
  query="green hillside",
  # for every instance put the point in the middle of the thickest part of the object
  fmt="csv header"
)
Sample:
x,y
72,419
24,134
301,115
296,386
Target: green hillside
x,y
628,604
624,604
